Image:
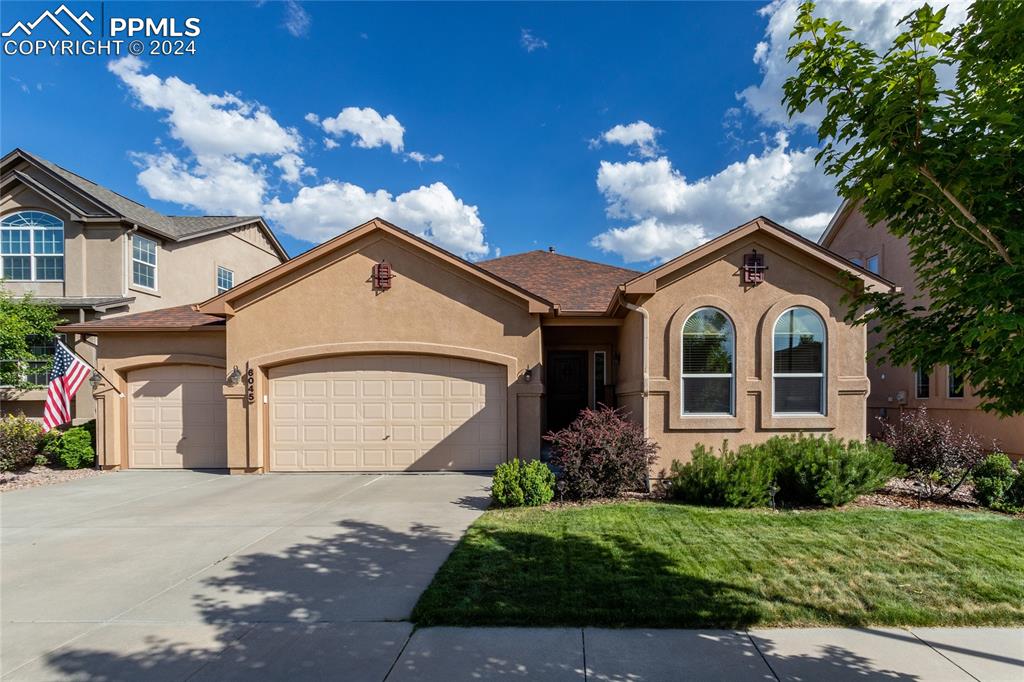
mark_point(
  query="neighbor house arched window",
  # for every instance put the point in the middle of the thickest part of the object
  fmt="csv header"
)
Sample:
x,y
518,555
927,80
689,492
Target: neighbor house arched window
x,y
708,363
31,247
799,362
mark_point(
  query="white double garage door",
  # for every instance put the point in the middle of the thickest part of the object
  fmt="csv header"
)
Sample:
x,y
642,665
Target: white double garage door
x,y
349,413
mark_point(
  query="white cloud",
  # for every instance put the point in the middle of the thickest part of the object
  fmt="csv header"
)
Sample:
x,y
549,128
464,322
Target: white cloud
x,y
369,128
312,118
530,42
293,168
319,212
670,214
640,134
236,152
421,158
216,184
872,22
296,19
207,124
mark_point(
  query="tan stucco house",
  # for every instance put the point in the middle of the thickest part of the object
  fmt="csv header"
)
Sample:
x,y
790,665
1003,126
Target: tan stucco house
x,y
379,351
894,389
98,255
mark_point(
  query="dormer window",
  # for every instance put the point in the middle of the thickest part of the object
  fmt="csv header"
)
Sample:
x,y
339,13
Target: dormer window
x,y
31,247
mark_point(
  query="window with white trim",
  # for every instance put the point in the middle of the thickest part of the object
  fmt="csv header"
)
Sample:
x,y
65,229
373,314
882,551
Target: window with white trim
x,y
31,247
708,347
143,261
798,363
225,279
922,383
954,384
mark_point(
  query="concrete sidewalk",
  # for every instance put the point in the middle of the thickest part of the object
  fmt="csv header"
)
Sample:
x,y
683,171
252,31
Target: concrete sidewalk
x,y
722,655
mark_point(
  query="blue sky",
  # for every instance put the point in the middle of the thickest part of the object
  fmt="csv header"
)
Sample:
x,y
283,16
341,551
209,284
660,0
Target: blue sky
x,y
320,115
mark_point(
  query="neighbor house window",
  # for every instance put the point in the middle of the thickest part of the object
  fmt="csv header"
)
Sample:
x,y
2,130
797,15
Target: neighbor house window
x,y
923,383
31,247
143,262
954,384
872,264
798,372
225,279
708,376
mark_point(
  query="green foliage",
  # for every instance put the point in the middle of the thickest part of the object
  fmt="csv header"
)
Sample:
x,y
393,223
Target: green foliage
x,y
72,448
518,484
1013,500
993,478
20,320
942,167
19,442
801,470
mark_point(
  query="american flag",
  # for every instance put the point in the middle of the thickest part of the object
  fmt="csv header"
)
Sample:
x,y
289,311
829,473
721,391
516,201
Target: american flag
x,y
68,373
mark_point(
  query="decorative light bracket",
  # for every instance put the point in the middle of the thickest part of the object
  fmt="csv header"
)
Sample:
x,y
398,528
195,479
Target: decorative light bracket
x,y
382,276
753,268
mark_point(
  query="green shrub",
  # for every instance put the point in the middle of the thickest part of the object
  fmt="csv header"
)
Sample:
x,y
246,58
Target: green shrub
x,y
71,448
803,470
830,471
993,478
19,442
728,479
518,484
1013,499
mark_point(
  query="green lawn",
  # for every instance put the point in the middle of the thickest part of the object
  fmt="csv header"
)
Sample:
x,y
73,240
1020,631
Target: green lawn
x,y
666,565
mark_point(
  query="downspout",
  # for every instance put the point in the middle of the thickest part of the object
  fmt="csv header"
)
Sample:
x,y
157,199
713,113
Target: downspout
x,y
645,356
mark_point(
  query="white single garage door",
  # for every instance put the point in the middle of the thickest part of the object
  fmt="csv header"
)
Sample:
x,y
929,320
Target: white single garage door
x,y
177,418
387,412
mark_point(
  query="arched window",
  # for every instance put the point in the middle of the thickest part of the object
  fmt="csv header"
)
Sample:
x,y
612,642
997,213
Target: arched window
x,y
708,376
31,247
798,371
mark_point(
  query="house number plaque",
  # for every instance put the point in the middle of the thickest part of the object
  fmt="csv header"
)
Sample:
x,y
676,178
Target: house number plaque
x,y
250,385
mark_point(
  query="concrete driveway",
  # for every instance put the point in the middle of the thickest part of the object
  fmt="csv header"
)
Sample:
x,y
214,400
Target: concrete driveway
x,y
179,574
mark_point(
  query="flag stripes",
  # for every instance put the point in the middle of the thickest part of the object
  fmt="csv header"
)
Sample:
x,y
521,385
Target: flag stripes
x,y
67,375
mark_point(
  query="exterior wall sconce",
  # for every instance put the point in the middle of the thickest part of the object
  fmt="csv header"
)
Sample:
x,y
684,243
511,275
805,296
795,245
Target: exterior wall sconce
x,y
235,377
95,379
528,376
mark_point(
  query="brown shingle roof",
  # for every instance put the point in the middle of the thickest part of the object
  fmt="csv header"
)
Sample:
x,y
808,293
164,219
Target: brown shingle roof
x,y
572,283
181,317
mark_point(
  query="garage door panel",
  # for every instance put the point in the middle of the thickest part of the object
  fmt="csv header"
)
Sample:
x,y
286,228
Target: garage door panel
x,y
391,412
177,417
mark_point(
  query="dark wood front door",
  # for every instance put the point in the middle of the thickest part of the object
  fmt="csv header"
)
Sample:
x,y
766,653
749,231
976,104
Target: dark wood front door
x,y
566,386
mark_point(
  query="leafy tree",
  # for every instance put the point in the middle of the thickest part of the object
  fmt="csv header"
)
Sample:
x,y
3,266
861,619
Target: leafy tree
x,y
21,319
944,168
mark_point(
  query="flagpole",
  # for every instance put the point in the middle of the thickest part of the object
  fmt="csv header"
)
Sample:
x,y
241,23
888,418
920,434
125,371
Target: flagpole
x,y
92,367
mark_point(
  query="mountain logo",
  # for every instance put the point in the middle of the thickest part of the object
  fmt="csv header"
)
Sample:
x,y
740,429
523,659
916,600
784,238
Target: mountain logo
x,y
78,20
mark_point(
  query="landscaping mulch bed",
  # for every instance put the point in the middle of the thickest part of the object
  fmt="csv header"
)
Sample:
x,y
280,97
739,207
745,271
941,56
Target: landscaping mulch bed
x,y
42,475
903,493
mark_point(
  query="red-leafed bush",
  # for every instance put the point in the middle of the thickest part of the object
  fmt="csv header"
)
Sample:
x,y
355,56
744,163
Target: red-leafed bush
x,y
937,454
601,454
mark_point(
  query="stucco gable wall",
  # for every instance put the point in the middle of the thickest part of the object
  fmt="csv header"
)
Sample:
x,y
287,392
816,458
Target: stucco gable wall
x,y
793,278
329,307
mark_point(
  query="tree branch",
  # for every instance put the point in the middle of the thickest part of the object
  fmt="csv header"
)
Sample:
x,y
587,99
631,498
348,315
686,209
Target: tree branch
x,y
966,213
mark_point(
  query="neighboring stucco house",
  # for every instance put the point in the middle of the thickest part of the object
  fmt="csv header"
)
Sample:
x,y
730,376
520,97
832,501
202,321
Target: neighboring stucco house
x,y
98,255
893,389
378,350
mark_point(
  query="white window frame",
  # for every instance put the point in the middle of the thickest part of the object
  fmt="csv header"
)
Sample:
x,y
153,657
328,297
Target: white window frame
x,y
683,376
917,383
949,385
154,264
231,273
822,376
32,255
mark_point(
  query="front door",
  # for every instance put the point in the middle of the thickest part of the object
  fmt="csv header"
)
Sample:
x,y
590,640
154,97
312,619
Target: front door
x,y
566,386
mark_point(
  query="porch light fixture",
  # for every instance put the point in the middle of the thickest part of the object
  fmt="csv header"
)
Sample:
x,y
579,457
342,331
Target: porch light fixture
x,y
235,377
95,379
528,376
